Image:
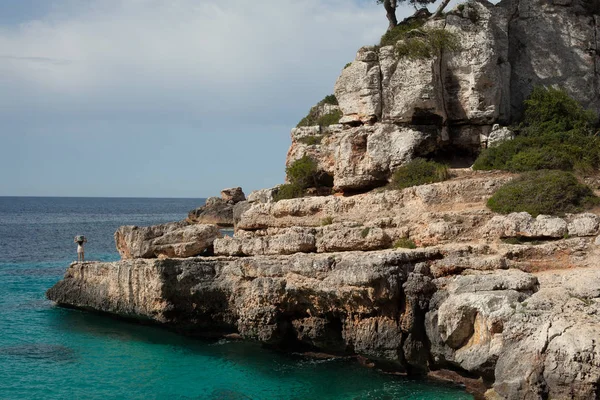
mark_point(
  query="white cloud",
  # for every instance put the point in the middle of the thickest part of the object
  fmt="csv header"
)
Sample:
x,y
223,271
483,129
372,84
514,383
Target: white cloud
x,y
189,57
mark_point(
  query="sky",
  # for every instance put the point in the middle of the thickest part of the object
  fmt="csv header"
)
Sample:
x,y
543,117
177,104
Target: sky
x,y
156,98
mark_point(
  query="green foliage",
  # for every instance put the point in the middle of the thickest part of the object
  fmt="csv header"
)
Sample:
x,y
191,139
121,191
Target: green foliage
x,y
419,172
543,192
556,133
301,174
427,43
550,110
347,65
327,221
365,232
288,191
405,243
325,120
311,140
330,99
330,119
400,32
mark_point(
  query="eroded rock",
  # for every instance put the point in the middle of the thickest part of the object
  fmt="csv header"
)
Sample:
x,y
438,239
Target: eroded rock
x,y
175,239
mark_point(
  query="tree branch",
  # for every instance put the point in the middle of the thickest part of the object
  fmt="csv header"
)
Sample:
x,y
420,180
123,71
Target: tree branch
x,y
440,9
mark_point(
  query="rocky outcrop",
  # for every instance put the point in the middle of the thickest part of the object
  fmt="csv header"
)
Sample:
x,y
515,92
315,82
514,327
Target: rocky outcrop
x,y
527,336
455,102
218,211
320,274
543,226
174,239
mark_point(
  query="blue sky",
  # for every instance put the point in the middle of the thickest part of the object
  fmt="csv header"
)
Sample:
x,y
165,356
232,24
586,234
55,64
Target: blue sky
x,y
156,98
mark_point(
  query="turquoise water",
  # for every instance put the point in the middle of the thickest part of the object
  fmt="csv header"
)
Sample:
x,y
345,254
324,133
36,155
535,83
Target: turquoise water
x,y
51,353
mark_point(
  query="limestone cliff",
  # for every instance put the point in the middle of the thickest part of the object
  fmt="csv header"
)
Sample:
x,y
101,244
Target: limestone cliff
x,y
418,280
396,108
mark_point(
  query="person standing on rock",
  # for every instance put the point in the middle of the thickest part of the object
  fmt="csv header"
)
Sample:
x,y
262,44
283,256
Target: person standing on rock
x,y
80,240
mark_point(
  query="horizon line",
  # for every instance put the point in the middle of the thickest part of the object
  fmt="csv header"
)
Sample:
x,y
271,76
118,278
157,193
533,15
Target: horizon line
x,y
101,197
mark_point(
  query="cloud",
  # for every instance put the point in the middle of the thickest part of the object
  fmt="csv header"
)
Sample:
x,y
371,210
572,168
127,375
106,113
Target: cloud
x,y
201,60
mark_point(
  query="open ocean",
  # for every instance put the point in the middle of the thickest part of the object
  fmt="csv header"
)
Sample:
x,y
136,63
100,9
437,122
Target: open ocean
x,y
51,353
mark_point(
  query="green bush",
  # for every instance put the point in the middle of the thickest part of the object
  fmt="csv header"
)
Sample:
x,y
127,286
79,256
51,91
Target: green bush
x,y
325,120
327,221
331,118
365,232
543,192
330,99
556,133
419,172
405,243
347,65
288,191
400,32
427,43
311,140
302,174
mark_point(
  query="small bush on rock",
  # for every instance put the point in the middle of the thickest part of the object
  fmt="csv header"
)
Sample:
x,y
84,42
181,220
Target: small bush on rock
x,y
400,32
543,192
313,117
327,221
419,172
302,174
428,43
365,232
311,140
556,133
405,243
288,191
331,118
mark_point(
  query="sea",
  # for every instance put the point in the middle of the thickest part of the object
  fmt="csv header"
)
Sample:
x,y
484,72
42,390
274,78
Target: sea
x,y
48,352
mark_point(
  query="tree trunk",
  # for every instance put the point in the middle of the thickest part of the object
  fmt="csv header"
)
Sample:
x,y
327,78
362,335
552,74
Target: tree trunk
x,y
440,9
390,9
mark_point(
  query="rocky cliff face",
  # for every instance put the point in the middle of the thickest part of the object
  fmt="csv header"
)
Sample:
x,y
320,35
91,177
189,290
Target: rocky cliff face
x,y
419,280
463,300
396,108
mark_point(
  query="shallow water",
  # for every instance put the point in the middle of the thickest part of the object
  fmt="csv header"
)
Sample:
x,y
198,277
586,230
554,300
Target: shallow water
x,y
53,353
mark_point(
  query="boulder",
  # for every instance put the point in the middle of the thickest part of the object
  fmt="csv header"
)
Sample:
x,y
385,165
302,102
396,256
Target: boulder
x,y
215,211
174,239
522,224
233,195
498,135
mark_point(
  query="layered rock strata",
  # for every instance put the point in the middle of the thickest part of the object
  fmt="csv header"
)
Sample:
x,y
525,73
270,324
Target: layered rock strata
x,y
524,335
447,106
464,301
174,239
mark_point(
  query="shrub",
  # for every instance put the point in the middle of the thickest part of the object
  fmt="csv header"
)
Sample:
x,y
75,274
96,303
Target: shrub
x,y
405,243
327,221
301,174
331,118
365,232
347,65
288,191
428,43
325,120
556,133
311,140
330,99
543,192
419,172
400,32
